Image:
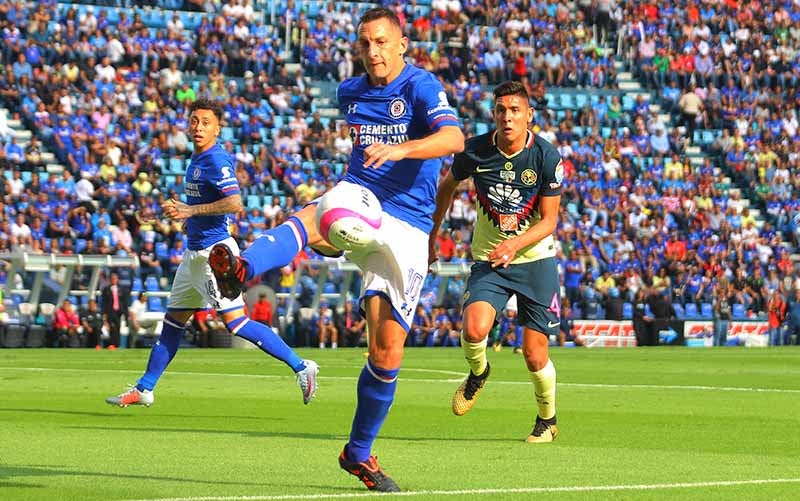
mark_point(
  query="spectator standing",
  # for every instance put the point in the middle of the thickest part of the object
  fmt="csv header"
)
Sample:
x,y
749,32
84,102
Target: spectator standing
x,y
115,299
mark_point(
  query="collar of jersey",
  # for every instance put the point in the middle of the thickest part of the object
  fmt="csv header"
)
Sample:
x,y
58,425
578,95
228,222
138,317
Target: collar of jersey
x,y
528,144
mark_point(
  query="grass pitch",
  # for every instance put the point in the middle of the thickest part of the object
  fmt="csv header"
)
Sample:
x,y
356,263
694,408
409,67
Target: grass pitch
x,y
230,424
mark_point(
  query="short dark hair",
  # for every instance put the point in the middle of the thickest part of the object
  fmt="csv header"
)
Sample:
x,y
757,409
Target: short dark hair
x,y
381,13
207,104
511,88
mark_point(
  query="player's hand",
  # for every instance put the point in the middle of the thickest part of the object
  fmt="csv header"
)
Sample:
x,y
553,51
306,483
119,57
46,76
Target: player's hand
x,y
378,154
504,253
175,210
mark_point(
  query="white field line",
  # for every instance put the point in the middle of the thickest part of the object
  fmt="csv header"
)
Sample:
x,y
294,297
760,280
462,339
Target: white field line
x,y
422,380
478,492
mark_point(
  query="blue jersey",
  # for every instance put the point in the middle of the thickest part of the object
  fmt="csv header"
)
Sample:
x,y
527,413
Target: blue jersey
x,y
209,178
412,106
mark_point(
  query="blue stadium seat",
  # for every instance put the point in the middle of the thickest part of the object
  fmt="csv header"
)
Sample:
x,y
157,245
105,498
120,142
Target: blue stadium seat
x,y
136,285
151,284
706,311
253,202
648,311
162,251
627,103
678,307
155,303
481,128
176,165
227,134
567,101
738,312
580,100
627,311
691,311
80,244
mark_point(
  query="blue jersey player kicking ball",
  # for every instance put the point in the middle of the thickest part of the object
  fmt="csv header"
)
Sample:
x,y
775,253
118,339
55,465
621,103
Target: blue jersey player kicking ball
x,y
517,177
401,125
212,192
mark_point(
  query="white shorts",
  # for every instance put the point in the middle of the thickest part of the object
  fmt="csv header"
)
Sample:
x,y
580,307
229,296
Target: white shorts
x,y
397,268
195,286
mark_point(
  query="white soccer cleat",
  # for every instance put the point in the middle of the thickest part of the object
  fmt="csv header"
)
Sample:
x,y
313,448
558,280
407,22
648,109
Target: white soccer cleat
x,y
307,380
132,397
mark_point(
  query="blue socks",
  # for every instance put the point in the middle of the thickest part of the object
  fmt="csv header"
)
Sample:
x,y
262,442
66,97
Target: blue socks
x,y
266,339
275,248
376,389
162,353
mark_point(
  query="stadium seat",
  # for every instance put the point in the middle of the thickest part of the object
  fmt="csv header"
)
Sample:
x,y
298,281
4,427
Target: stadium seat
x,y
706,311
738,311
176,165
627,311
691,311
227,134
151,284
679,312
155,303
162,251
80,245
136,285
481,128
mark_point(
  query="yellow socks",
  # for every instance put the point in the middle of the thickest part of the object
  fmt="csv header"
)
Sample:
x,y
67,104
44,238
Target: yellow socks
x,y
475,353
544,389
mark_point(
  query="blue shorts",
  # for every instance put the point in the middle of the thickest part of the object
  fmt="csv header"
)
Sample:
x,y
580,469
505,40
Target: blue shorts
x,y
536,285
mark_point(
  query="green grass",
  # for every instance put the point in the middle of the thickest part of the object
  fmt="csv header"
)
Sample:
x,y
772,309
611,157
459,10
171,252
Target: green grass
x,y
231,423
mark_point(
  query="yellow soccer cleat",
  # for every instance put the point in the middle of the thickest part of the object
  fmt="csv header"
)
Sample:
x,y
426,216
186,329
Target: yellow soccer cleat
x,y
545,430
466,394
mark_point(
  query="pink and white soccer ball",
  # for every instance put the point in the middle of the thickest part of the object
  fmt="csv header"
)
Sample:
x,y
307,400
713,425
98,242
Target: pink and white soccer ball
x,y
349,217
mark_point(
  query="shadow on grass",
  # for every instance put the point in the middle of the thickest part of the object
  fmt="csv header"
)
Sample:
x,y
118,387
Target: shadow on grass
x,y
306,436
123,414
58,470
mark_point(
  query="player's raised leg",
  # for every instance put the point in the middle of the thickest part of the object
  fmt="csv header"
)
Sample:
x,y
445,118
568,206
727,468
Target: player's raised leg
x,y
274,249
478,321
543,375
376,389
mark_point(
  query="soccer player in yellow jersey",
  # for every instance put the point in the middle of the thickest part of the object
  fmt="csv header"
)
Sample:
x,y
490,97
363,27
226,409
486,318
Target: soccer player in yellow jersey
x,y
517,177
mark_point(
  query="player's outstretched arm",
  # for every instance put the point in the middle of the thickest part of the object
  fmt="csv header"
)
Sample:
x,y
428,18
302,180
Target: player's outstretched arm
x,y
444,197
504,253
179,211
445,141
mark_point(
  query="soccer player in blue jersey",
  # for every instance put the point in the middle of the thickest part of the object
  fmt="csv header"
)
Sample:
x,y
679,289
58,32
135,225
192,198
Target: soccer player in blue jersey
x,y
212,192
517,177
401,125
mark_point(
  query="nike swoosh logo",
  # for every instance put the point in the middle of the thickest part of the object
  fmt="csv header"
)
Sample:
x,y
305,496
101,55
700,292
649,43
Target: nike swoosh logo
x,y
551,324
481,170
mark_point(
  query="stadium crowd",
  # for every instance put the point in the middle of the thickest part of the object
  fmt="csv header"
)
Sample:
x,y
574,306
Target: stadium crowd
x,y
644,213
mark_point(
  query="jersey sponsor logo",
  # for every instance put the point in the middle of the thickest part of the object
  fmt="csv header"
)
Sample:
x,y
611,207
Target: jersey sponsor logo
x,y
508,175
508,166
367,134
559,175
509,222
442,106
397,108
528,177
501,193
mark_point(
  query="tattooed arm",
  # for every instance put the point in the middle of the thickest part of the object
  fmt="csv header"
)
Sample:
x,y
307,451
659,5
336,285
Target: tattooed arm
x,y
178,210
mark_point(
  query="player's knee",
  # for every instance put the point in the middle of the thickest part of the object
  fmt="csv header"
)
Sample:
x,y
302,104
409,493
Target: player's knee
x,y
386,357
476,332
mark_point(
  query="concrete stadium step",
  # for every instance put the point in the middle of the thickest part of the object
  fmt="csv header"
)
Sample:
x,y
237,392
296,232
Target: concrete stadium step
x,y
625,76
328,112
693,150
629,86
292,67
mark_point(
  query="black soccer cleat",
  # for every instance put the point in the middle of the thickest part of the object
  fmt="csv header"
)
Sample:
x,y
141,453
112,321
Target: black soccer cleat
x,y
368,472
544,431
229,269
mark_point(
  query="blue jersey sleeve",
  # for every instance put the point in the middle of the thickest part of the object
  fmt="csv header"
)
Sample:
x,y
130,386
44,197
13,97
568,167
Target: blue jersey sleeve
x,y
431,99
224,177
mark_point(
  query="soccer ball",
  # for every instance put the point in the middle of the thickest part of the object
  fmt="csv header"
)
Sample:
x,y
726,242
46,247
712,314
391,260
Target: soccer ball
x,y
348,217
